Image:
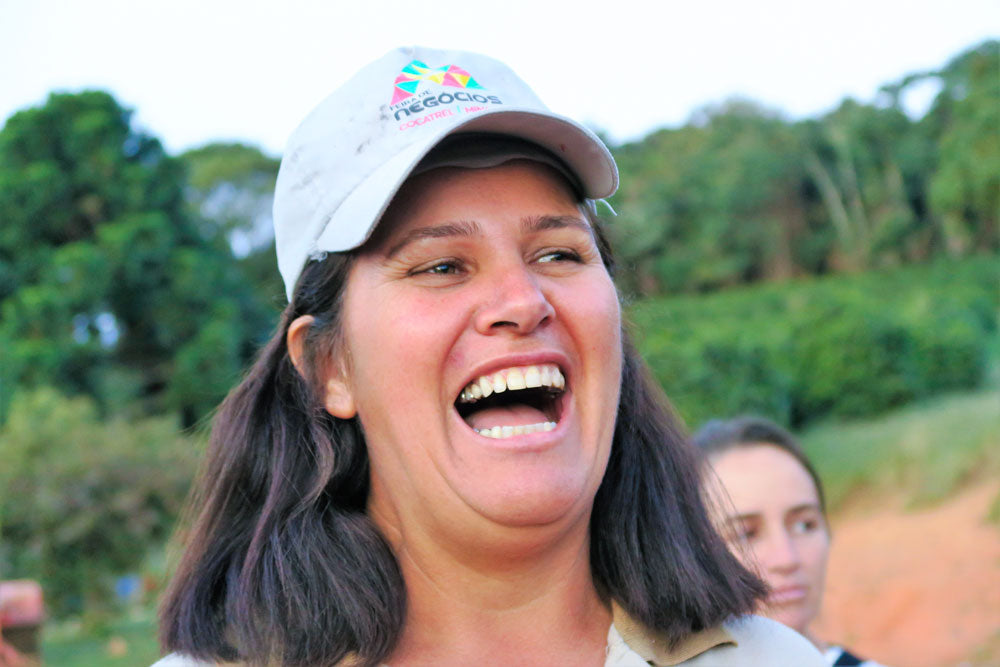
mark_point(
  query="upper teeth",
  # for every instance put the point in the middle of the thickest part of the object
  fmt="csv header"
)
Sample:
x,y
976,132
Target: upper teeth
x,y
520,377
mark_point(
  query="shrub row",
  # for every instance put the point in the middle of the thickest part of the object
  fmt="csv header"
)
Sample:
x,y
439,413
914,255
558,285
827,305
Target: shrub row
x,y
83,498
847,345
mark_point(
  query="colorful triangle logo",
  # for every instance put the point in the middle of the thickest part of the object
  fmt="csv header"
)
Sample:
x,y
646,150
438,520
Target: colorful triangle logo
x,y
416,72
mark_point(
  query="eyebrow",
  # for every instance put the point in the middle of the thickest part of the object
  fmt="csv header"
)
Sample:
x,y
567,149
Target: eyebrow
x,y
469,228
736,518
537,223
798,509
464,228
804,507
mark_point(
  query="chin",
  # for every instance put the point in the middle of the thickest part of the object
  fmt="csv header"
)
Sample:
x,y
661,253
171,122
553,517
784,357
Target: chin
x,y
535,502
797,618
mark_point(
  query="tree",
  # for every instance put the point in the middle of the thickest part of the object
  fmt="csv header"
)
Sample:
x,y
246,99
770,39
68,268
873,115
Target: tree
x,y
106,282
230,191
738,194
854,158
715,203
965,119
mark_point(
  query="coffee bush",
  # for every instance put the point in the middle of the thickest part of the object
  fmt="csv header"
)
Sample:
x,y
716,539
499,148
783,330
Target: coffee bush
x,y
847,345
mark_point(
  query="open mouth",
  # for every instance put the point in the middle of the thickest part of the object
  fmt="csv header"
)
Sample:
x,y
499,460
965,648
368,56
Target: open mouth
x,y
513,401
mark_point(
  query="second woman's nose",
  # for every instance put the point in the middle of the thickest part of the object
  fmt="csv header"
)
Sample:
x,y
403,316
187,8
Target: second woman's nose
x,y
779,553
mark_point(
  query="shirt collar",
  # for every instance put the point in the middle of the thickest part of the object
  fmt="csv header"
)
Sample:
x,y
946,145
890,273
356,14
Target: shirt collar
x,y
654,648
650,645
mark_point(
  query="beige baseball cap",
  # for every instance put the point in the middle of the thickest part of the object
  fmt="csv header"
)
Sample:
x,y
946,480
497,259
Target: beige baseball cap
x,y
347,159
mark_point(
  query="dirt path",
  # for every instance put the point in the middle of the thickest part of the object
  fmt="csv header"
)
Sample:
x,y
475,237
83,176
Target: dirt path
x,y
918,588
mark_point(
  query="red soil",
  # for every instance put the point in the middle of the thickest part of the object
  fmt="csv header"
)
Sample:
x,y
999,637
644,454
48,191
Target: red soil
x,y
917,588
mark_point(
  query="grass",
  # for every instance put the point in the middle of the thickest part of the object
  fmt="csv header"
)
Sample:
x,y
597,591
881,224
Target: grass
x,y
125,642
993,514
927,450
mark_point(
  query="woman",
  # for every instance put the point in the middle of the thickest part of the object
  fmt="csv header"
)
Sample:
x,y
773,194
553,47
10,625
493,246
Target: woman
x,y
449,453
771,506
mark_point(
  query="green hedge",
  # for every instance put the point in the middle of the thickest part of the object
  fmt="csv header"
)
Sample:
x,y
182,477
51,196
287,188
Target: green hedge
x,y
846,345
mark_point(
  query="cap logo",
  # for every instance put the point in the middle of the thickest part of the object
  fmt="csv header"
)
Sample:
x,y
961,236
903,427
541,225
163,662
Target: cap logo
x,y
421,95
413,74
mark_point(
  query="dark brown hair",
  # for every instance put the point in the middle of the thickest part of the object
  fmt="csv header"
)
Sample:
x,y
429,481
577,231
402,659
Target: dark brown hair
x,y
720,435
282,564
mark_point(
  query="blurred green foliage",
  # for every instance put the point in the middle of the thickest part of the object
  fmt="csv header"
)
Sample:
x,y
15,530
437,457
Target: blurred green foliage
x,y
108,286
927,450
125,317
965,187
230,190
128,641
847,346
84,498
739,194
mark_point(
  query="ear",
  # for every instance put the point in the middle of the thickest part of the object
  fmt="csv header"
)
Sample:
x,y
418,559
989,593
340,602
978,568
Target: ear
x,y
339,401
337,397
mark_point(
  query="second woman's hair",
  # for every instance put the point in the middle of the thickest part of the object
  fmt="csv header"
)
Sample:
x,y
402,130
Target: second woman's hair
x,y
720,435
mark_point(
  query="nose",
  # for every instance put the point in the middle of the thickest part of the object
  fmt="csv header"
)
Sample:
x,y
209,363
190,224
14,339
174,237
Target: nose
x,y
514,301
779,553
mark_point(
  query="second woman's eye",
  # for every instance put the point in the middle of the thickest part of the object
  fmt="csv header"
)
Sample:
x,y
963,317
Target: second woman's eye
x,y
803,526
746,531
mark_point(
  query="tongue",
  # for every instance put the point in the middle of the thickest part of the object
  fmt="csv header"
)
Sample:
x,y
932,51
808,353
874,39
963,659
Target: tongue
x,y
517,414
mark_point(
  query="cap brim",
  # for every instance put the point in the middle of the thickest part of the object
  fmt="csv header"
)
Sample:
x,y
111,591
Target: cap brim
x,y
582,151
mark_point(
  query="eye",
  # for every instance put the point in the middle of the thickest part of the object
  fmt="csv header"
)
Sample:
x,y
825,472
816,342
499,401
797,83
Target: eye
x,y
562,255
746,532
804,526
446,267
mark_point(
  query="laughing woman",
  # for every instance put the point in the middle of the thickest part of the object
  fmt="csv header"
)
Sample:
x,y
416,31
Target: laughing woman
x,y
449,453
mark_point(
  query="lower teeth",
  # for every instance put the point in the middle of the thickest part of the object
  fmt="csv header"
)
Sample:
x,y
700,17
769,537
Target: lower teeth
x,y
510,431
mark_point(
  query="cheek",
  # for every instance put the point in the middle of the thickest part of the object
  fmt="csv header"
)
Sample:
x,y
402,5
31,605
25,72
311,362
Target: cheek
x,y
389,338
596,313
818,551
603,301
611,346
379,359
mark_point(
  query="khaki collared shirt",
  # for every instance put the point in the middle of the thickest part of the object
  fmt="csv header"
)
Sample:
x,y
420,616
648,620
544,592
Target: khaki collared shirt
x,y
654,649
751,641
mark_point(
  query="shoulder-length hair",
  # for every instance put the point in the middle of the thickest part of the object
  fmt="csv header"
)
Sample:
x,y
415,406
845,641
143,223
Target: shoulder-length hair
x,y
721,435
282,565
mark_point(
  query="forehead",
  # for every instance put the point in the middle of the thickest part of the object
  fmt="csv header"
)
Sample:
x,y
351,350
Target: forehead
x,y
759,478
515,189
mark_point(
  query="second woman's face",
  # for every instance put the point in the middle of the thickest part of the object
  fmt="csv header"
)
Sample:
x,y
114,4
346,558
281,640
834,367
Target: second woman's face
x,y
482,353
777,527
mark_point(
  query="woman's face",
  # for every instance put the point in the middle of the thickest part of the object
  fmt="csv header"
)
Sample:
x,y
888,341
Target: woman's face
x,y
777,528
482,353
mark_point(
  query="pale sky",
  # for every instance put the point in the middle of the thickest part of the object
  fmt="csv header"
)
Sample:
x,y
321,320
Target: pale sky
x,y
204,70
